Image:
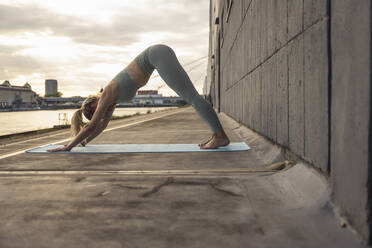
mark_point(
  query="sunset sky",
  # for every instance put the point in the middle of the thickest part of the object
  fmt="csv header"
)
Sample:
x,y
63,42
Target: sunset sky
x,y
84,44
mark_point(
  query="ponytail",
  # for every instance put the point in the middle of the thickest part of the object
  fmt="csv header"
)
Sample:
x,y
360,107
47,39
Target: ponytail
x,y
77,119
77,122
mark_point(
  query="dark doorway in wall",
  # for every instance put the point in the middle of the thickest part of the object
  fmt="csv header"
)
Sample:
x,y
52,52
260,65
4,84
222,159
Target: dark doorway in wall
x,y
218,73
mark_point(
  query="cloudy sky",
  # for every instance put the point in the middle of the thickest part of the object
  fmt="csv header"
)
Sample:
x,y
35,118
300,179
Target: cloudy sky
x,y
85,43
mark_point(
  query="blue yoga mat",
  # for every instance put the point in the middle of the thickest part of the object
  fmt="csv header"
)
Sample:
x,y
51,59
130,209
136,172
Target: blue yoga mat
x,y
143,148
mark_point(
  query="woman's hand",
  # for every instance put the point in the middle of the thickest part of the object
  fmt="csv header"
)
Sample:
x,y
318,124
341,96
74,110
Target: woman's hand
x,y
60,149
83,143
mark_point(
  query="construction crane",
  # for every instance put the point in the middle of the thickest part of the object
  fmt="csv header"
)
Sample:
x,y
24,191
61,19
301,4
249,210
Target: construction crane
x,y
191,69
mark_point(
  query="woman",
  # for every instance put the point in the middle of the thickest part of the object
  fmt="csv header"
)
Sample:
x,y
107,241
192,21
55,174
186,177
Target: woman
x,y
99,109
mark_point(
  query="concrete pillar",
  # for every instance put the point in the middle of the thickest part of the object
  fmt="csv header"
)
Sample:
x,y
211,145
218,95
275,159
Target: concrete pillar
x,y
351,111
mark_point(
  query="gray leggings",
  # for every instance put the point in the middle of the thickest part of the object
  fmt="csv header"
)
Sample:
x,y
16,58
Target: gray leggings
x,y
164,60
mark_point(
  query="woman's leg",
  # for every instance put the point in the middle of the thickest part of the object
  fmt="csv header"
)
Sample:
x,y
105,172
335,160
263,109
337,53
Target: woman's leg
x,y
166,63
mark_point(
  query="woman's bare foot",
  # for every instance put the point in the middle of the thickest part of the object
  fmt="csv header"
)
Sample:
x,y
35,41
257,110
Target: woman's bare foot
x,y
202,144
217,140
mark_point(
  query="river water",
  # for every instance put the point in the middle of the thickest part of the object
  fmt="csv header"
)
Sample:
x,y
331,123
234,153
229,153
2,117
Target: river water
x,y
22,121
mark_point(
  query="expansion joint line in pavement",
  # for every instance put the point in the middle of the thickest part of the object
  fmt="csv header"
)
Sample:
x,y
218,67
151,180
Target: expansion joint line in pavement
x,y
172,181
106,130
266,170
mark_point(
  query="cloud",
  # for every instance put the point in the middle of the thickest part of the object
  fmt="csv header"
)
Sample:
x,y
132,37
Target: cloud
x,y
31,18
124,28
81,44
12,65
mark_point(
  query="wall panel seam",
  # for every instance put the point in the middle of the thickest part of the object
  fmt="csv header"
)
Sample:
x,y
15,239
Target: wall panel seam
x,y
277,50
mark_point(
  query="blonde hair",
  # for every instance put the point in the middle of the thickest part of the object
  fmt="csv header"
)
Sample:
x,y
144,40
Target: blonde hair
x,y
77,119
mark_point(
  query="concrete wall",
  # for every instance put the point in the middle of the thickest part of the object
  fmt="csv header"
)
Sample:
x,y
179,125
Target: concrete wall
x,y
274,72
351,110
282,73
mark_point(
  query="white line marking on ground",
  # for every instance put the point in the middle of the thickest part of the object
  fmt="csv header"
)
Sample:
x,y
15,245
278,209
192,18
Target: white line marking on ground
x,y
28,140
106,130
143,172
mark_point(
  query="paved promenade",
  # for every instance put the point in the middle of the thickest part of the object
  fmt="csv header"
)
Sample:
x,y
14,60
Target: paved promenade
x,y
197,199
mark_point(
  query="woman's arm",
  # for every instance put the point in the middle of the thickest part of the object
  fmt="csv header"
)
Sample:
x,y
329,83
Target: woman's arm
x,y
102,125
104,103
85,132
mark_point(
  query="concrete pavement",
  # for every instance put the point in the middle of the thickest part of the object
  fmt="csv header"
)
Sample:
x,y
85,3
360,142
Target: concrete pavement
x,y
85,200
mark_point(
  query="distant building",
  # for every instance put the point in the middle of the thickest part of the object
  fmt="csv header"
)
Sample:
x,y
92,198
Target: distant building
x,y
66,101
151,97
17,96
147,92
51,87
